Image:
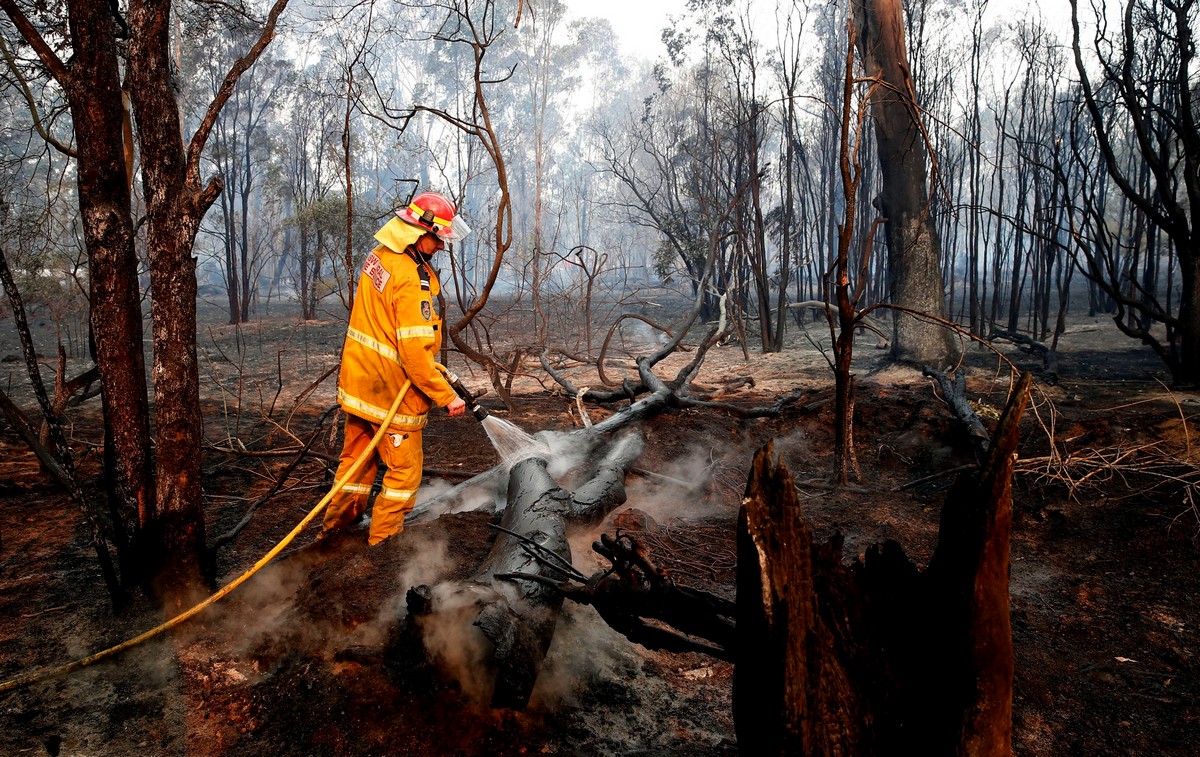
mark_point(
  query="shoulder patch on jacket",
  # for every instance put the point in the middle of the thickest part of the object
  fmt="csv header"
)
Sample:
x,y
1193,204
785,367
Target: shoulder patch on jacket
x,y
373,269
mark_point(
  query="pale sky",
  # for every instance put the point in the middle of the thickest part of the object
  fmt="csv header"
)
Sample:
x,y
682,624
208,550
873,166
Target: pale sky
x,y
638,23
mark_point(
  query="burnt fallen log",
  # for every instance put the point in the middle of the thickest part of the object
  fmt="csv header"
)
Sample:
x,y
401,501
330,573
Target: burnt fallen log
x,y
954,393
641,601
512,600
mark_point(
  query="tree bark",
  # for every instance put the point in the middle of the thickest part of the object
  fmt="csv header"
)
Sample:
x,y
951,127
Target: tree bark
x,y
175,207
792,688
914,253
91,83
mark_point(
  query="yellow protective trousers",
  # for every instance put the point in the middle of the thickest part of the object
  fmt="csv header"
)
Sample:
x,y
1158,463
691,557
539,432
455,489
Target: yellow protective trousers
x,y
401,453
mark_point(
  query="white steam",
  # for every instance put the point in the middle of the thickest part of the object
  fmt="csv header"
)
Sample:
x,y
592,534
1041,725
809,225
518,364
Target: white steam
x,y
428,564
681,488
584,649
434,500
453,641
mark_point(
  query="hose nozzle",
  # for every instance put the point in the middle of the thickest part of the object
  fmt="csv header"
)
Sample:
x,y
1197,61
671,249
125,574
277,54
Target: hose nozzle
x,y
461,391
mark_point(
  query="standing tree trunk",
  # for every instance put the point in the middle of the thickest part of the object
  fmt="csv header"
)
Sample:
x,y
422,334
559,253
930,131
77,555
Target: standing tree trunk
x,y
914,253
91,81
175,206
171,537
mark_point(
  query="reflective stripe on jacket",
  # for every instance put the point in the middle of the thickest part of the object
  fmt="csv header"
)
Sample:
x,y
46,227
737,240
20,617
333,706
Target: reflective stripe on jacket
x,y
395,333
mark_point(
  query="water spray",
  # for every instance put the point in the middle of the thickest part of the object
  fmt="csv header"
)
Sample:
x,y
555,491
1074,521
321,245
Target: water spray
x,y
510,441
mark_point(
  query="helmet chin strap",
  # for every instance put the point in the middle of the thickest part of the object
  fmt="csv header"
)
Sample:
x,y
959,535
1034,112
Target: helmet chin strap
x,y
417,255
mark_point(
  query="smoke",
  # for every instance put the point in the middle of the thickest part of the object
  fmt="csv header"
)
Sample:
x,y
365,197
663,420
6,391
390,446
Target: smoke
x,y
638,334
688,487
797,446
434,500
567,451
428,563
584,651
264,607
455,644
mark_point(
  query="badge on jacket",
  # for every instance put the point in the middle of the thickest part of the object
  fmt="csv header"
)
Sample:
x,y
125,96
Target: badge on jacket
x,y
374,270
426,310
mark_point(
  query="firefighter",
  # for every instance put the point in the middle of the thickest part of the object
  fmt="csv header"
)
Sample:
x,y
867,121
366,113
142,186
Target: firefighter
x,y
394,334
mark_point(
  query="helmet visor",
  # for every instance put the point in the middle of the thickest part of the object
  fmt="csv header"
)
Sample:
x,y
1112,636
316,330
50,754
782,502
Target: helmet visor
x,y
456,230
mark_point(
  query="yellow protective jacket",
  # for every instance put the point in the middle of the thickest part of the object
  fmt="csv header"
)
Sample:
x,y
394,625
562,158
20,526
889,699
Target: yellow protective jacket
x,y
395,334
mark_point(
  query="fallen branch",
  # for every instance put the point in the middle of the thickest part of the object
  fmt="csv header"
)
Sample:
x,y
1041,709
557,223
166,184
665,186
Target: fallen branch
x,y
232,533
1049,372
635,591
955,395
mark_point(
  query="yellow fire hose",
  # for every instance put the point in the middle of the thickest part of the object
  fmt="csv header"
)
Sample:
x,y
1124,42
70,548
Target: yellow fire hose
x,y
39,675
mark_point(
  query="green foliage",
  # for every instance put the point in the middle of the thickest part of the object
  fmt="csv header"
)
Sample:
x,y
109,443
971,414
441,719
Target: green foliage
x,y
327,216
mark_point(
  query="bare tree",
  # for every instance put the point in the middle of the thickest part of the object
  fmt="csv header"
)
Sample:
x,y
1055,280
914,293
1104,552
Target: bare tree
x,y
1145,86
474,28
840,289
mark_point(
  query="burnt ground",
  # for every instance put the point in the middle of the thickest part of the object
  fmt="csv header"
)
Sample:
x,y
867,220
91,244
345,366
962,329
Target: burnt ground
x,y
1105,571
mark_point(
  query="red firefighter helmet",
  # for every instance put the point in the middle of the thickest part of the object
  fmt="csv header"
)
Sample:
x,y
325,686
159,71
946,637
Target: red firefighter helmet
x,y
434,212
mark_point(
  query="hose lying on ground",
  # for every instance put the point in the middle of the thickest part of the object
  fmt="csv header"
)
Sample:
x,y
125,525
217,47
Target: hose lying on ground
x,y
40,675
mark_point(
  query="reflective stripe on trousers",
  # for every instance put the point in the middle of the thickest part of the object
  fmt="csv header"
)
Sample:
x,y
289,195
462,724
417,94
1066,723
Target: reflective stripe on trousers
x,y
403,457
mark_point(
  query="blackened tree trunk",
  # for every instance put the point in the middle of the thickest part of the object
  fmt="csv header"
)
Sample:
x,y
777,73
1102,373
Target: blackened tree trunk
x,y
176,200
914,253
174,208
170,516
877,658
91,82
792,693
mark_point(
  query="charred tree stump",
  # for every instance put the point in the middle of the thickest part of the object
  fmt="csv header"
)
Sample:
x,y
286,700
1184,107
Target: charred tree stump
x,y
793,687
878,658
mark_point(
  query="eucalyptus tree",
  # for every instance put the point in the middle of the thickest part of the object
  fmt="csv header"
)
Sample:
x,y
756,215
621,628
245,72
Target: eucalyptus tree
x,y
309,174
741,102
795,210
543,79
352,52
914,251
669,176
587,264
1136,77
830,70
83,47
